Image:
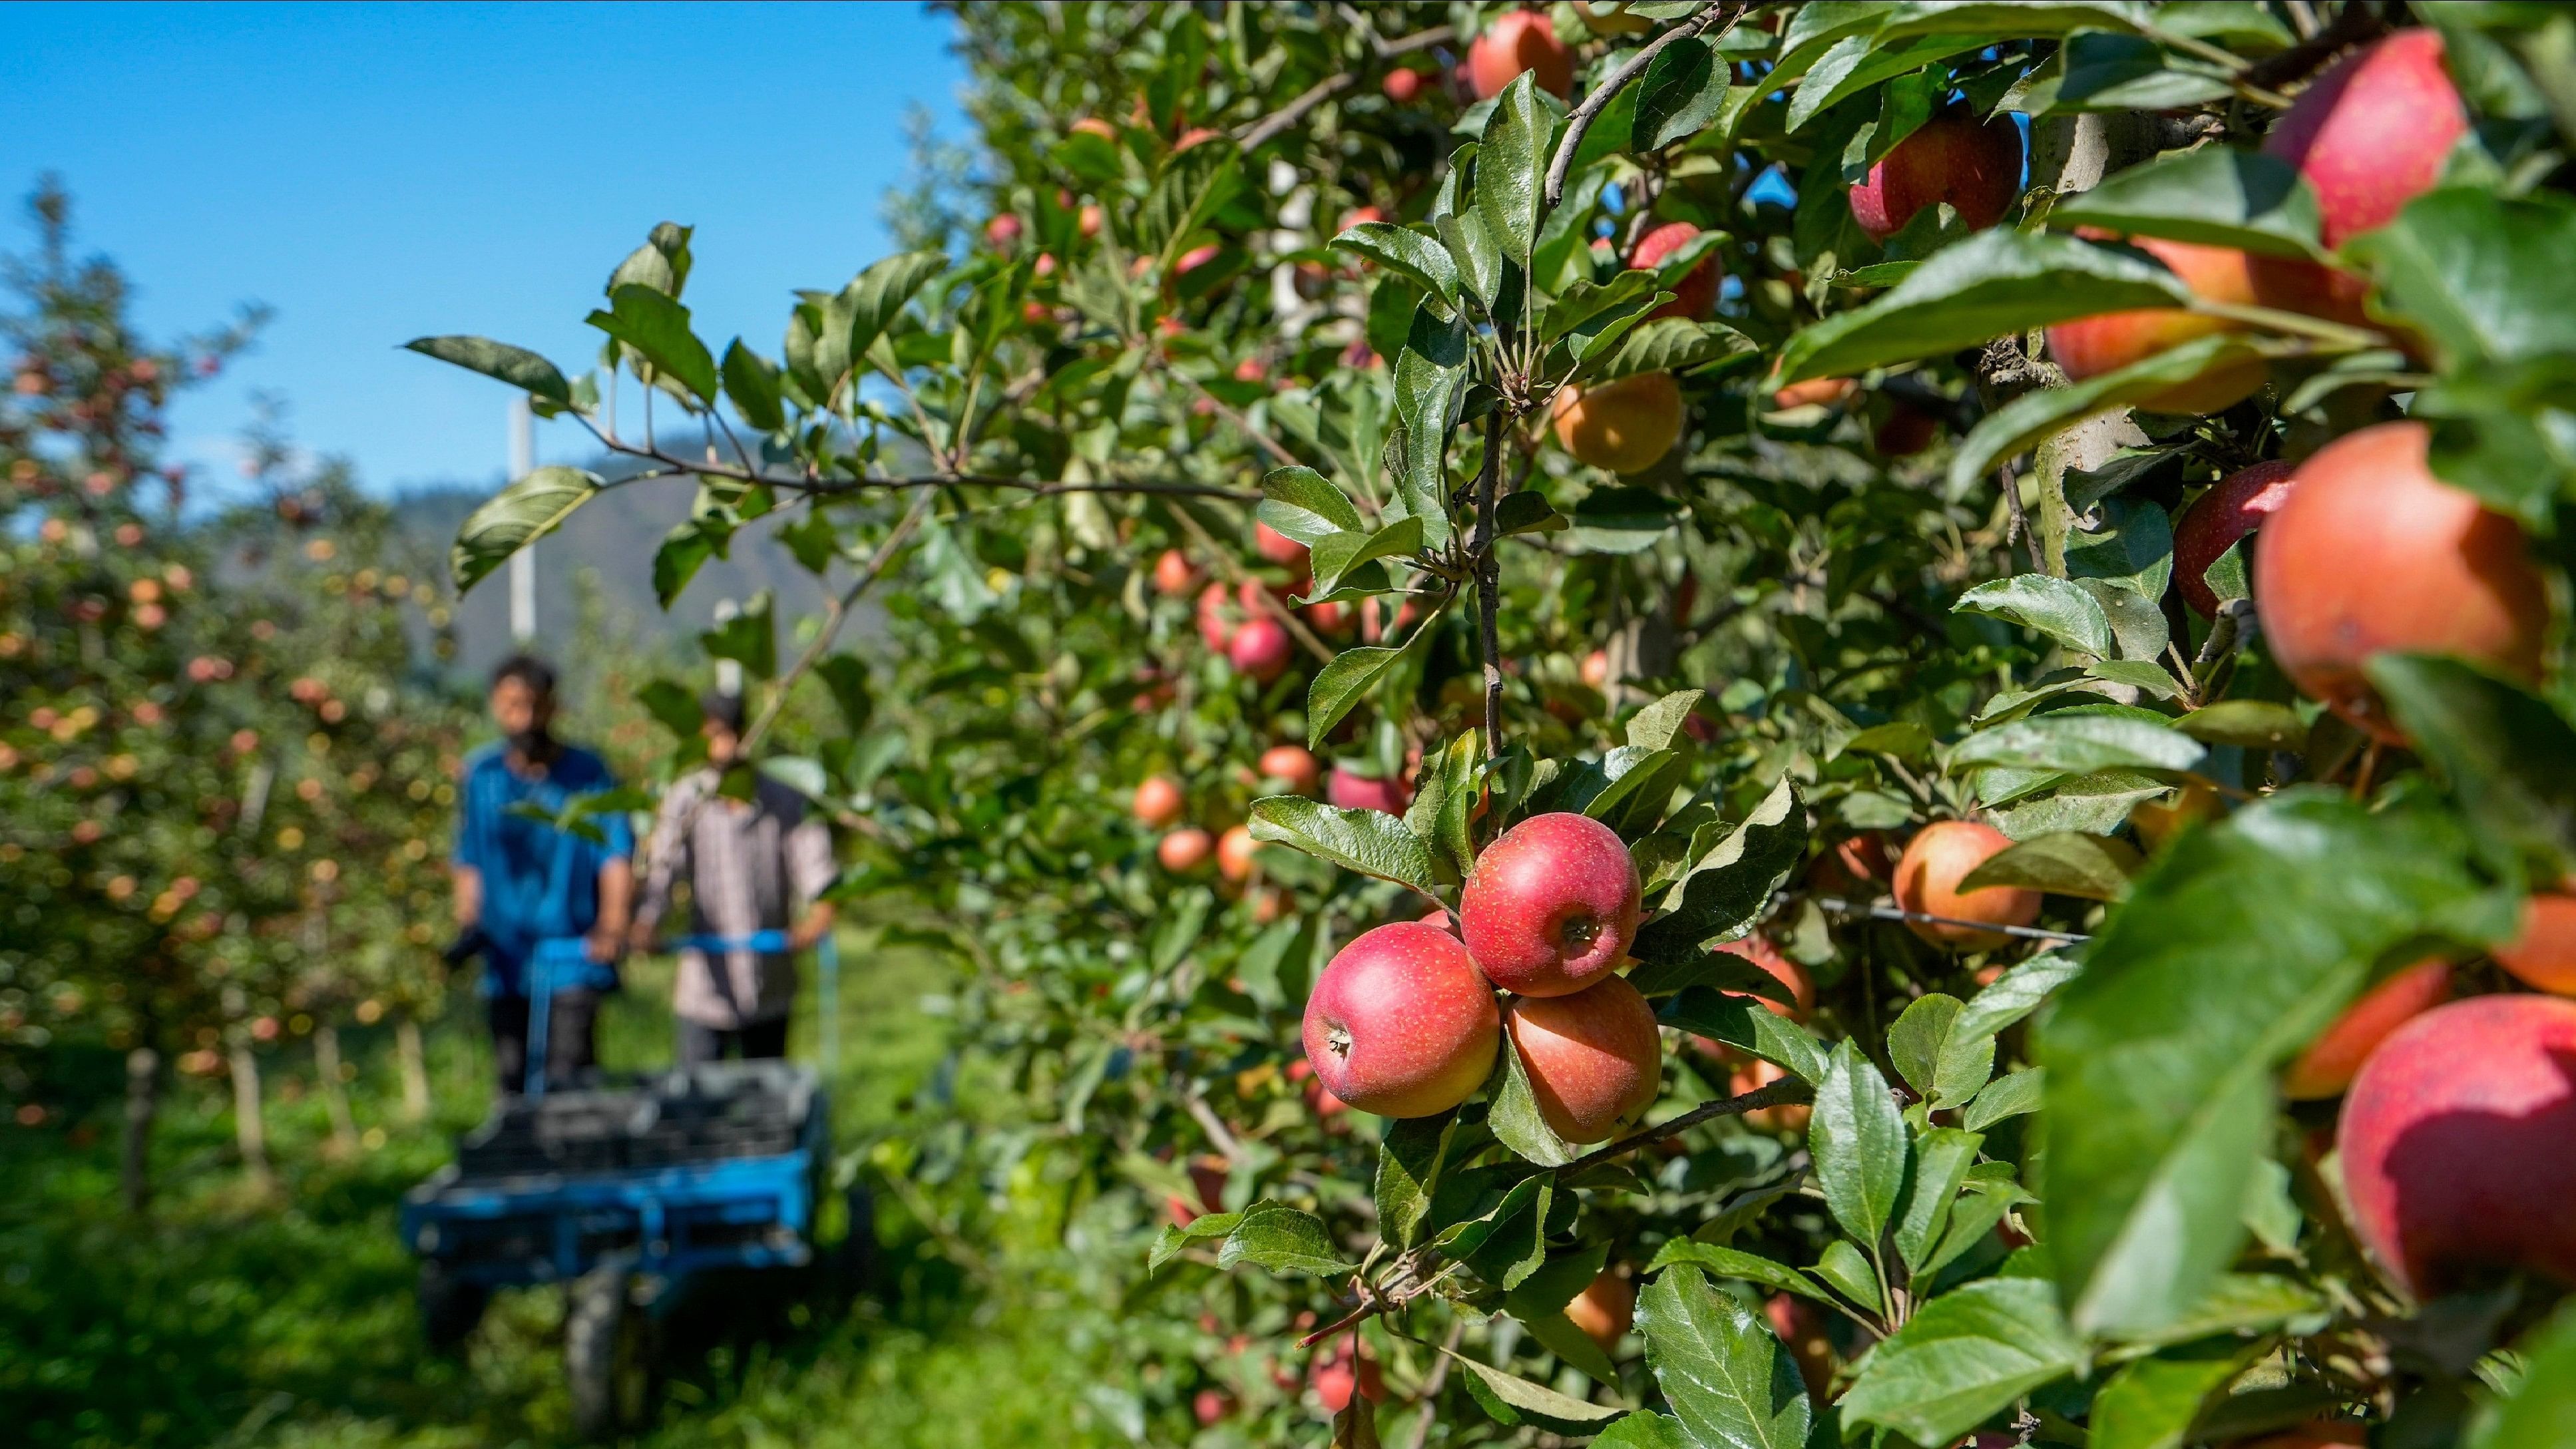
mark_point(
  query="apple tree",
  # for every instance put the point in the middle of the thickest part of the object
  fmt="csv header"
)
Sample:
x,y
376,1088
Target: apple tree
x,y
1710,724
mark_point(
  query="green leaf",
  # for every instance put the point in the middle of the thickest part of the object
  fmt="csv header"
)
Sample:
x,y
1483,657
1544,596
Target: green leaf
x,y
1188,188
751,384
1730,889
2536,1415
2235,947
2130,544
2016,994
749,638
1914,1043
2253,724
1368,841
1857,1137
1282,1239
877,296
1643,1430
2078,743
1666,344
2506,756
2483,276
2245,1304
1408,1174
2215,196
672,706
1658,726
1172,1238
2151,1402
1964,1356
1720,1367
1682,91
1342,683
2006,1096
1747,1026
1849,1272
1334,558
2128,73
2055,607
1516,1120
516,366
1430,387
1298,502
1510,165
1444,803
1527,511
2033,417
2032,19
1942,1158
1995,282
515,517
846,676
1623,518
1628,292
2064,862
1726,1262
1407,252
657,327
1515,1401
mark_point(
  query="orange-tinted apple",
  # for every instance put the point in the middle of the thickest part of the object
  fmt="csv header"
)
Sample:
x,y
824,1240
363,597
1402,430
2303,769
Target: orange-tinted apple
x,y
2092,346
1595,1058
1184,850
1624,426
2328,1065
1830,391
1517,41
1401,1024
2544,954
1234,852
1158,801
1605,1309
2371,552
1927,880
1293,766
1550,907
1401,86
1752,1076
1278,547
1172,572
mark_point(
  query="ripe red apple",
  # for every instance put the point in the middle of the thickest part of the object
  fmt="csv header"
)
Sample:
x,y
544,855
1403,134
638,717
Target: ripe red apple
x,y
1261,648
1605,1309
1624,426
1830,391
2092,346
1193,136
1347,791
1975,166
1401,1024
1211,1406
1595,1059
2455,1143
2544,954
1003,231
1329,617
1519,40
1401,86
1927,880
1216,617
1695,295
1802,988
1184,850
1234,852
2372,552
1278,547
1158,801
1172,572
2328,1065
2234,508
1293,766
1339,1370
1551,906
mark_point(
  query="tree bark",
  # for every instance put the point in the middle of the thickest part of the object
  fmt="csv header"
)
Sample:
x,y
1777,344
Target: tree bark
x,y
250,1132
415,1069
142,1105
335,1092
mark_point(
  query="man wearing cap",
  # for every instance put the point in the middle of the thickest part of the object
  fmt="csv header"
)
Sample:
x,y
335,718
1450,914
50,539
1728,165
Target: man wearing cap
x,y
753,867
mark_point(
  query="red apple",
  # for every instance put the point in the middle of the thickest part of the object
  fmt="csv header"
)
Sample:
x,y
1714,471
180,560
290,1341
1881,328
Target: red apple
x,y
1605,1309
1216,617
1905,431
1347,791
1172,572
1211,1406
1625,426
1358,215
1594,671
1595,1059
1802,988
1401,86
2328,1065
2092,346
1261,648
1278,547
1158,801
1185,850
1003,231
1087,221
1975,166
2544,954
1830,391
1517,41
2456,1143
2372,132
1801,1327
1550,907
1234,852
1695,295
2371,552
1401,1024
1927,880
1293,766
2234,508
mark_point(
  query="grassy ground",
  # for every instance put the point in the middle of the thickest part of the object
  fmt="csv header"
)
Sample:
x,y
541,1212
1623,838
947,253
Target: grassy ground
x,y
236,1320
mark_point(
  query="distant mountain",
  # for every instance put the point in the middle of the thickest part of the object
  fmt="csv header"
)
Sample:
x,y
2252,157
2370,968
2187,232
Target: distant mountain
x,y
613,540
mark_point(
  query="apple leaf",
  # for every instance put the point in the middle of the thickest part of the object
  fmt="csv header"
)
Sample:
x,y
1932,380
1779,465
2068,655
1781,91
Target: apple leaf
x,y
1371,842
1857,1137
1724,1262
516,366
1407,252
1964,1356
1731,887
2064,862
2055,607
2217,196
1515,1119
1300,503
515,517
1747,1026
1515,1401
1282,1239
1721,1368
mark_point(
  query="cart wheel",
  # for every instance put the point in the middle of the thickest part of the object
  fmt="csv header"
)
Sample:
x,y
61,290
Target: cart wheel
x,y
854,1258
607,1356
449,1306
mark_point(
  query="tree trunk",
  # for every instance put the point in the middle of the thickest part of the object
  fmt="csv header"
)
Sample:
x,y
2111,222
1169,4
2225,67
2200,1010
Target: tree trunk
x,y
335,1092
142,1105
415,1069
250,1132
2071,154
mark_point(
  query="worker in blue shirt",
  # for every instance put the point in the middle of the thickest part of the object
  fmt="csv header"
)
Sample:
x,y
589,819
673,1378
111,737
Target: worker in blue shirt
x,y
522,883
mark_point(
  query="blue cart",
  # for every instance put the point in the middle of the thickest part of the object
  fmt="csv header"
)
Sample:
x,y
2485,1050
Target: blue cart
x,y
628,1194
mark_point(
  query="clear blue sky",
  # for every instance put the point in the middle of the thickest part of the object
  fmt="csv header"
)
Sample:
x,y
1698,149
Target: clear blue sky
x,y
377,172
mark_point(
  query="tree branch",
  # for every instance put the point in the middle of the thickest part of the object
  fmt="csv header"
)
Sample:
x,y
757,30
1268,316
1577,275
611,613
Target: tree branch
x,y
833,617
1594,104
1489,576
1779,1093
1251,137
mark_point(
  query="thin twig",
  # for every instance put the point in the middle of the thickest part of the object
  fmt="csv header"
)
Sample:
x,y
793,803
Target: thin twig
x,y
1489,576
1241,423
1251,137
1214,1126
1593,105
833,617
1878,912
1779,1093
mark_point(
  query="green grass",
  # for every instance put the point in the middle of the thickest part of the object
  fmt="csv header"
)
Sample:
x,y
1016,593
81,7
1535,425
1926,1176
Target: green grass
x,y
231,1319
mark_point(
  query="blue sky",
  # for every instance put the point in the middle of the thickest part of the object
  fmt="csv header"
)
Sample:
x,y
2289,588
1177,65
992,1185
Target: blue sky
x,y
377,172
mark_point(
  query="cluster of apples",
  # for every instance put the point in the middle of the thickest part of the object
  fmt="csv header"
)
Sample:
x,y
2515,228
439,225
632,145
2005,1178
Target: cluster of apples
x,y
1242,624
1404,1021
